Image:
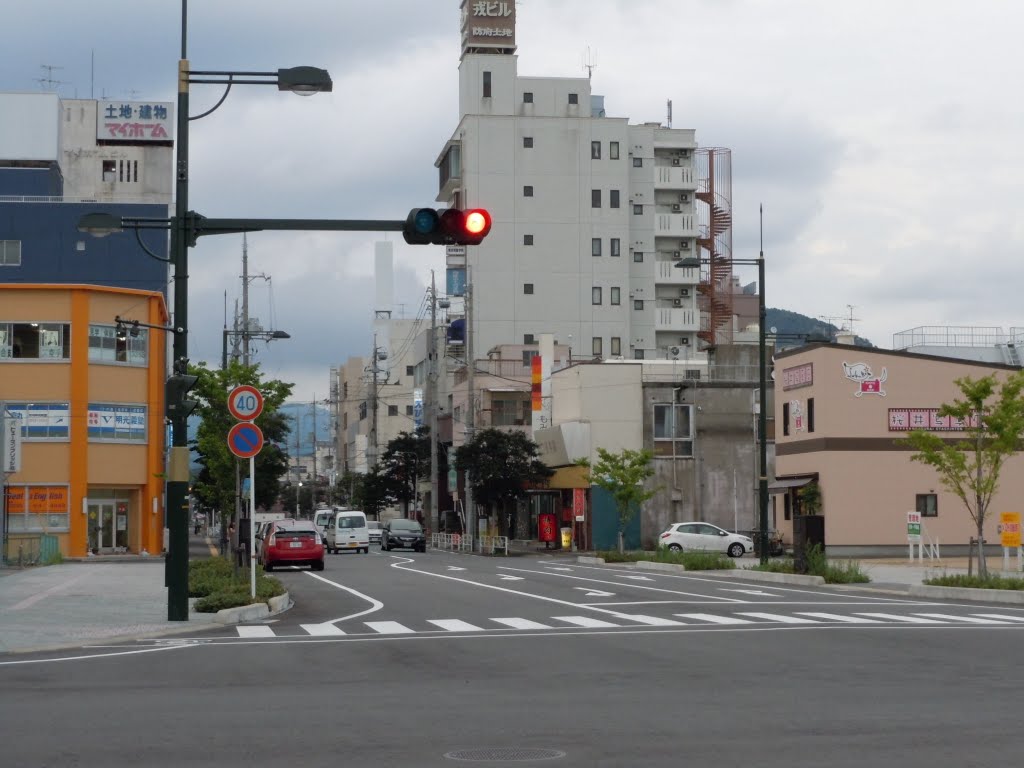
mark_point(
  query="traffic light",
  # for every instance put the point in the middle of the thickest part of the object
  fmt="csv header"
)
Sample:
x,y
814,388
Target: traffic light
x,y
178,386
448,226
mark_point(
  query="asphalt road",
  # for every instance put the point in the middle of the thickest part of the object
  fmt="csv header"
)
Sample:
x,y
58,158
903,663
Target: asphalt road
x,y
395,659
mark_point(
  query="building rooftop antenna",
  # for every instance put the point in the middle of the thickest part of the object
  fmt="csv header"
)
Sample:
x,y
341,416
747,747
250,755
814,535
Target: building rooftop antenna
x,y
669,124
48,82
589,63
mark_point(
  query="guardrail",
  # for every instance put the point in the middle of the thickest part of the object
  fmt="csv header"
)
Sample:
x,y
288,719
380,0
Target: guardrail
x,y
455,542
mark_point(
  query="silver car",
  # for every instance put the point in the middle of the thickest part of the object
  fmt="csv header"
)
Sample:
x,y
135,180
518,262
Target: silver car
x,y
374,527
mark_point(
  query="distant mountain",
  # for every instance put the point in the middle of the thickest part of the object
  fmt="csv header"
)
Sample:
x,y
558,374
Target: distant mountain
x,y
795,329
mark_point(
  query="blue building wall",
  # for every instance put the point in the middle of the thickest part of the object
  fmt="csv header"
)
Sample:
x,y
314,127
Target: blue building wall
x,y
35,182
49,246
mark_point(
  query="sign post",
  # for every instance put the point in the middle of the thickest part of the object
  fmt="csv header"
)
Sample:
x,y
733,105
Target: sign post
x,y
914,534
245,440
1009,537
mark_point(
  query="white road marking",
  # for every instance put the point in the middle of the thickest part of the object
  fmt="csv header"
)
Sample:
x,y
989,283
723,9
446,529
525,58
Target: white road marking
x,y
375,605
900,617
965,619
636,578
522,624
713,619
455,625
559,569
840,617
780,618
595,592
456,568
584,621
98,655
619,584
506,577
654,621
757,592
322,630
999,616
389,628
259,631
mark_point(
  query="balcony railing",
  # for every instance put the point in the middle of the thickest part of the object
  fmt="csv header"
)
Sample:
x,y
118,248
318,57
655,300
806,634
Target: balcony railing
x,y
673,177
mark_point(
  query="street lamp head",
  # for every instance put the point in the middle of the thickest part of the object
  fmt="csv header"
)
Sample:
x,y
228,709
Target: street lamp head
x,y
443,303
688,261
100,224
280,335
304,81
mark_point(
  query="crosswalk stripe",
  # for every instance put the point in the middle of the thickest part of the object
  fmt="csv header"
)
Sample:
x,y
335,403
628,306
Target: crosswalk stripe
x,y
775,617
257,631
454,625
965,619
584,621
390,628
654,621
999,616
322,630
899,617
522,624
712,618
840,617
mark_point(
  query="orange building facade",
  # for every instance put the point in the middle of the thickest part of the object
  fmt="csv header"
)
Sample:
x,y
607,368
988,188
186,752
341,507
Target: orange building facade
x,y
91,405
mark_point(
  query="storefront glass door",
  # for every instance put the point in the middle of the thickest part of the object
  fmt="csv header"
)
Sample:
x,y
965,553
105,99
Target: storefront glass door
x,y
101,525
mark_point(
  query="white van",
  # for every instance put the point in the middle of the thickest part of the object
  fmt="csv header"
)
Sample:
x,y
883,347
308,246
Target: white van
x,y
322,519
348,531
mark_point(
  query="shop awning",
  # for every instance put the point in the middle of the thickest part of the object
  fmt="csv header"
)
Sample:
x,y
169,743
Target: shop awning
x,y
783,484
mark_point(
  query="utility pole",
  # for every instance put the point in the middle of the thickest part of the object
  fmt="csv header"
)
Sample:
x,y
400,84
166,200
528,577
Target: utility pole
x,y
471,523
434,511
373,402
298,473
316,477
245,301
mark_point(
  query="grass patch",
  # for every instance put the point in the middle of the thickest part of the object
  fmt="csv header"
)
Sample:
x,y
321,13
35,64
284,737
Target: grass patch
x,y
213,580
975,582
55,559
847,572
692,561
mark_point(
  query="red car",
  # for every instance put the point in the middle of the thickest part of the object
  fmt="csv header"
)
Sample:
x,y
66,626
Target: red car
x,y
291,542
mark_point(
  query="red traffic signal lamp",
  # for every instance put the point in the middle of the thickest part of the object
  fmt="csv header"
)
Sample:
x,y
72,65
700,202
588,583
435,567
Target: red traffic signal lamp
x,y
448,226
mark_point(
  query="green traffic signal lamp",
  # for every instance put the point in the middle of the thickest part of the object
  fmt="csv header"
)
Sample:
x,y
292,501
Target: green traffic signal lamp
x,y
449,226
177,404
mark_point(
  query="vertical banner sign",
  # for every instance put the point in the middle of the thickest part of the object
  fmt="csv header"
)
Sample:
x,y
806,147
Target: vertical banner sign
x,y
913,526
1009,529
536,402
417,407
579,504
11,461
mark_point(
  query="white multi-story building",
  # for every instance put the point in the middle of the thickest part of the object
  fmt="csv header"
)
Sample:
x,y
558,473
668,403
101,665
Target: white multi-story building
x,y
590,213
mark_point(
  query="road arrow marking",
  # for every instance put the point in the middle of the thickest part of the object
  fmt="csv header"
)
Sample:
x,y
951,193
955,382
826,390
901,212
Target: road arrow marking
x,y
595,592
757,592
455,568
559,569
636,578
505,577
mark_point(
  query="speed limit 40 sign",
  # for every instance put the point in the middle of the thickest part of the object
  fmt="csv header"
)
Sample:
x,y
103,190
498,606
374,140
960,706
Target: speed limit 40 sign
x,y
245,402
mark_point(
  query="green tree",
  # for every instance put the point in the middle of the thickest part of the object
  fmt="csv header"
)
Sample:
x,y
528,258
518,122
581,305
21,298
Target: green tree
x,y
810,499
405,460
373,493
623,475
993,417
501,465
214,486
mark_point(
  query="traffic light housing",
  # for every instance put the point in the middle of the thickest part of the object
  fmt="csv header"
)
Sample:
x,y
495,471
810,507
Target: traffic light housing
x,y
448,226
176,391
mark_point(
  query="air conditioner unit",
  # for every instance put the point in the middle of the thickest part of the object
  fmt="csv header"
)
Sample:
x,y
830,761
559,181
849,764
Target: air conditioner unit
x,y
675,254
686,153
684,340
685,245
674,351
676,161
684,291
684,197
676,208
677,302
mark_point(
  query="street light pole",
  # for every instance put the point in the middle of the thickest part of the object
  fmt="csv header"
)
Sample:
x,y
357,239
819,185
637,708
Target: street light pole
x,y
762,416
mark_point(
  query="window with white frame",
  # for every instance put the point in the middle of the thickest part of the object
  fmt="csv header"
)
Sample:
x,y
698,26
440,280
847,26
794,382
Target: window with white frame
x,y
613,150
43,421
595,295
596,346
615,247
616,346
35,341
673,429
10,253
37,508
595,246
614,295
107,346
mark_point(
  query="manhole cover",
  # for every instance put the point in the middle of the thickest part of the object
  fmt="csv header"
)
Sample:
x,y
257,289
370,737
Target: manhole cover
x,y
505,754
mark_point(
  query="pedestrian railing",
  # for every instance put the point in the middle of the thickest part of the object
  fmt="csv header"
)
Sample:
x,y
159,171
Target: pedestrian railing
x,y
494,544
456,542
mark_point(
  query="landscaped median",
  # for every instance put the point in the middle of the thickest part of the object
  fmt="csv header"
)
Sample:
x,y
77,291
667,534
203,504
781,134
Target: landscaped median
x,y
991,589
228,593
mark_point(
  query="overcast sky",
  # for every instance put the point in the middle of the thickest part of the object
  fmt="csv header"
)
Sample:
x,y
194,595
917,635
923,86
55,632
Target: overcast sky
x,y
883,138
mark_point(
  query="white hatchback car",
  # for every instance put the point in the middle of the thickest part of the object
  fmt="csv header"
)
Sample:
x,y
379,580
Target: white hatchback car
x,y
686,537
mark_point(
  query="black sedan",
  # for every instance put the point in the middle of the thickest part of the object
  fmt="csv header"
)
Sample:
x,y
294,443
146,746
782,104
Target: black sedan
x,y
403,534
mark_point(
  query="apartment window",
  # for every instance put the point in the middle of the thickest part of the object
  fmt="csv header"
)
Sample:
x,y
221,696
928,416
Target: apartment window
x,y
613,198
408,410
595,150
616,346
595,295
527,97
595,246
37,508
107,346
362,411
638,256
927,504
35,341
595,198
528,288
528,355
638,210
638,354
10,253
615,247
527,239
638,162
615,295
810,414
785,418
487,85
108,169
613,150
638,305
114,422
508,413
527,142
528,338
527,191
673,429
409,370
595,346
392,410
43,421
574,98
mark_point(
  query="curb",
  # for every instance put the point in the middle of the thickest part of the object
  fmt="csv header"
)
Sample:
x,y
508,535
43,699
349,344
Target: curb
x,y
1012,597
254,611
648,565
735,573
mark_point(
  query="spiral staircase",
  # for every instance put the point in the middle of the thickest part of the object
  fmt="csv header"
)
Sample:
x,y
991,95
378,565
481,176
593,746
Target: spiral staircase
x,y
715,289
